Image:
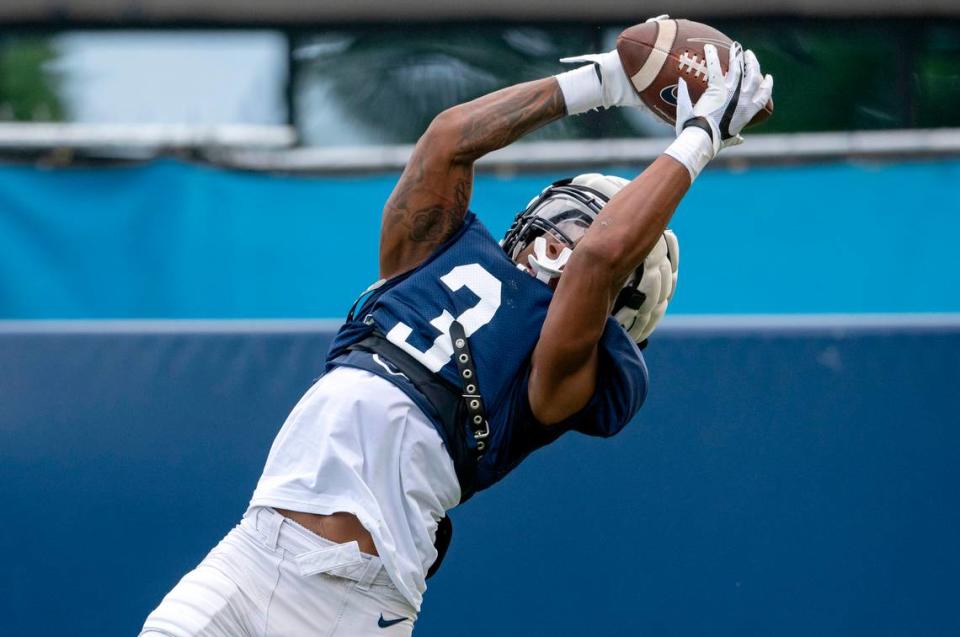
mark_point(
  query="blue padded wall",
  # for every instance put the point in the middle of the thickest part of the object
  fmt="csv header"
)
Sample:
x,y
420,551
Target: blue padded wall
x,y
175,240
778,482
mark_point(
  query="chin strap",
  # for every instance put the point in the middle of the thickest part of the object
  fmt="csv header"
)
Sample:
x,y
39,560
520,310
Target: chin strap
x,y
545,268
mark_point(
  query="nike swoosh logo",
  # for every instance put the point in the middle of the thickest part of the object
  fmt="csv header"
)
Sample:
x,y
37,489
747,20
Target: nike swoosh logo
x,y
379,361
387,623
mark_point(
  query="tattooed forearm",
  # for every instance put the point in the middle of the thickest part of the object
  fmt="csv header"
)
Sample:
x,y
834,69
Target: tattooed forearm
x,y
430,200
499,119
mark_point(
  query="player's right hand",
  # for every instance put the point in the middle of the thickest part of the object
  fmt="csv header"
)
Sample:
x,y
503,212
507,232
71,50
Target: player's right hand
x,y
615,86
730,101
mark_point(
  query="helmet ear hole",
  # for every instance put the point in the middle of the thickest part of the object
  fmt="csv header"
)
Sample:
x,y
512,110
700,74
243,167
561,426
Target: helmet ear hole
x,y
646,294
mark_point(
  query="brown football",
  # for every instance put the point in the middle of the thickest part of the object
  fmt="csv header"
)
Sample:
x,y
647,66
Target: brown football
x,y
656,54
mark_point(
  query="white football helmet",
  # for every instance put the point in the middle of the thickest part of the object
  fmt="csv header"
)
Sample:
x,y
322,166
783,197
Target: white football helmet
x,y
566,209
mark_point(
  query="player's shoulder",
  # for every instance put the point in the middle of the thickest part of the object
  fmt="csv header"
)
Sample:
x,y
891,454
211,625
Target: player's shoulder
x,y
473,235
473,244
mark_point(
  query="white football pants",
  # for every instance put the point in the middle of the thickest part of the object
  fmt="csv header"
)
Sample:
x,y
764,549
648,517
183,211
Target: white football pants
x,y
271,577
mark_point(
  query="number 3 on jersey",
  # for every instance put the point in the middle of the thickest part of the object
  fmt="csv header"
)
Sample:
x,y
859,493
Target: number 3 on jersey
x,y
477,280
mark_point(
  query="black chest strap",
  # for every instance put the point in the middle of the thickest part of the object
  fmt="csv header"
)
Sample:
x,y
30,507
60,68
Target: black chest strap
x,y
470,384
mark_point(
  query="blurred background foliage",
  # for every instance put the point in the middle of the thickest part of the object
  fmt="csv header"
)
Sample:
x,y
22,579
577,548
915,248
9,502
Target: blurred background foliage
x,y
383,84
388,84
936,78
831,75
29,88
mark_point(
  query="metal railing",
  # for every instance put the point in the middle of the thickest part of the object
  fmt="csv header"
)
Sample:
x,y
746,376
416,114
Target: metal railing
x,y
547,155
143,137
272,148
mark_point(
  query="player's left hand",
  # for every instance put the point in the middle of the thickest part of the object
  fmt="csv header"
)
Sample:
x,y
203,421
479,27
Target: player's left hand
x,y
731,100
756,89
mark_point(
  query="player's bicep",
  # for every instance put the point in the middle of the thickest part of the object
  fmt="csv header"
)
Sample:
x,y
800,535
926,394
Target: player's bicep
x,y
426,208
555,397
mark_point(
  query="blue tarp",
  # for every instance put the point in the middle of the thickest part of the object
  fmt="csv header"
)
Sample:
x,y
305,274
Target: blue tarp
x,y
176,240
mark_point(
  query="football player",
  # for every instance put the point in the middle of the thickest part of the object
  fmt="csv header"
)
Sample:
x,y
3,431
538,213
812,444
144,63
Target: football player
x,y
467,355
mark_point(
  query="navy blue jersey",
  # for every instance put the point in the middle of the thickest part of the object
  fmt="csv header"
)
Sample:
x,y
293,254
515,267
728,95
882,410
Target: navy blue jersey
x,y
502,309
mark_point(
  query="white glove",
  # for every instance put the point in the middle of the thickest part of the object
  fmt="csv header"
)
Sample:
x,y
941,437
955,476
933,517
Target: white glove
x,y
722,107
728,104
755,91
602,83
653,286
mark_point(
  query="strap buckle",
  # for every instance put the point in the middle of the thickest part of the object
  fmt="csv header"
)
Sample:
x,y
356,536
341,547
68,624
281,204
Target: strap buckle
x,y
481,434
